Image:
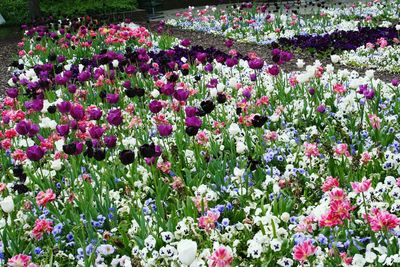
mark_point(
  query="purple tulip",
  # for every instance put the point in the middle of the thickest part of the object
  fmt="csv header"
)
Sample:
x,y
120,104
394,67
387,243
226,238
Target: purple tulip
x,y
64,107
112,98
12,92
231,62
33,130
202,57
311,91
110,141
181,94
77,112
274,70
253,77
185,42
96,132
83,76
34,153
72,88
23,127
114,117
321,108
229,43
190,111
209,67
155,106
256,64
193,122
95,113
395,82
164,129
62,130
168,89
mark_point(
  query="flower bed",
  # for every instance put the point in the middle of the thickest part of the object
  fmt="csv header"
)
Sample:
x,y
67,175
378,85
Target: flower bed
x,y
123,148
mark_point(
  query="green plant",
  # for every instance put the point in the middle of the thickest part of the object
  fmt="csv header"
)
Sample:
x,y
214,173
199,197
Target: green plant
x,y
14,11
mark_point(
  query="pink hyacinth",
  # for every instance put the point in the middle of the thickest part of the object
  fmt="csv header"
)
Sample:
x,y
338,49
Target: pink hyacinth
x,y
208,221
44,197
382,220
311,150
222,257
302,251
20,260
362,186
42,226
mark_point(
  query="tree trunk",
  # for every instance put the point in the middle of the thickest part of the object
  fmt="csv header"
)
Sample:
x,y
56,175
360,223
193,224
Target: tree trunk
x,y
34,9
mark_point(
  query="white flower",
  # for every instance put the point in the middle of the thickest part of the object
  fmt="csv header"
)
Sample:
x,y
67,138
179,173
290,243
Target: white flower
x,y
234,129
398,27
240,147
155,93
335,59
285,217
358,260
369,73
7,204
105,249
300,63
56,165
187,250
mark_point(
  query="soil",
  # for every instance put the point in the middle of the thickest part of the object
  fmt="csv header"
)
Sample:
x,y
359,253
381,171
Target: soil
x,y
9,38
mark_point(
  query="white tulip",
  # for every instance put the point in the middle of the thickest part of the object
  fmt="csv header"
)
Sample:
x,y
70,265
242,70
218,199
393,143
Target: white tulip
x,y
187,250
240,147
7,204
335,59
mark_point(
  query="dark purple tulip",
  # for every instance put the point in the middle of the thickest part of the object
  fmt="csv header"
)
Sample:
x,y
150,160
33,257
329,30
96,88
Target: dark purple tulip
x,y
95,113
112,98
110,141
60,59
130,69
164,129
33,130
311,91
181,94
62,130
275,52
321,108
274,70
155,106
193,122
79,148
96,132
77,112
190,111
12,92
23,127
256,64
64,107
36,104
72,88
114,117
34,153
395,82
61,80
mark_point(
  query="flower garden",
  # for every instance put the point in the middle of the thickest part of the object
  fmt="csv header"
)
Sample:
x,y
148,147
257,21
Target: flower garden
x,y
123,146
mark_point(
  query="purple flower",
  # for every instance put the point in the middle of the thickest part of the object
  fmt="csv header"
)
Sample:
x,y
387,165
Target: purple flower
x,y
209,67
64,107
202,57
185,42
62,129
256,64
23,127
369,94
110,141
231,62
190,111
181,94
114,117
96,132
395,82
229,43
95,113
83,76
155,106
274,70
72,88
12,92
34,153
321,108
193,122
77,112
164,129
168,89
112,98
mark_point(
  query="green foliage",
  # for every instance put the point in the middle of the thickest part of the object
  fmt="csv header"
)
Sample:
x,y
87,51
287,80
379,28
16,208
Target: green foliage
x,y
14,11
73,8
17,11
